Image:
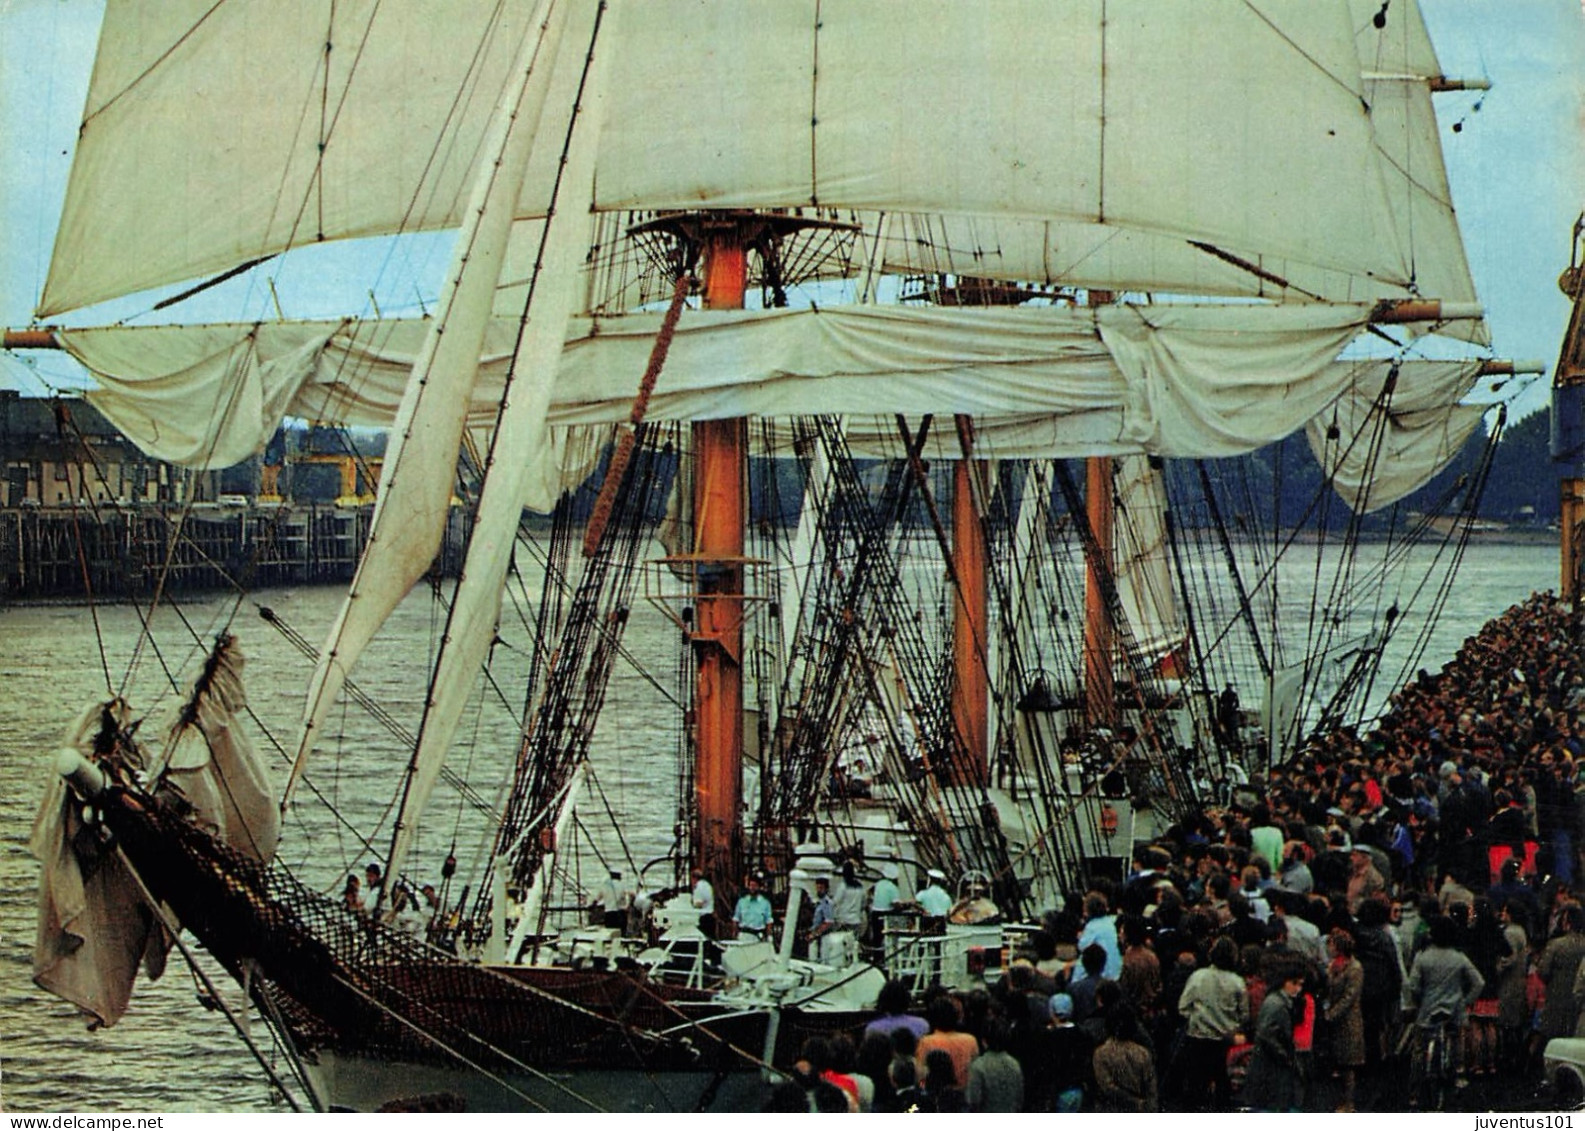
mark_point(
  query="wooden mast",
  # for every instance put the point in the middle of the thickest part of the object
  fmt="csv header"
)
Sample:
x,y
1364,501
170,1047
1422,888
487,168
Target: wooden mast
x,y
720,516
1100,699
971,683
37,338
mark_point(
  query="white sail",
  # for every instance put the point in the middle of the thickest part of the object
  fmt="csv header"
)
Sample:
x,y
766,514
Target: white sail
x,y
1144,571
1391,443
414,497
206,396
93,928
1053,391
519,456
1399,69
375,117
1170,380
1103,119
1400,65
1281,710
212,762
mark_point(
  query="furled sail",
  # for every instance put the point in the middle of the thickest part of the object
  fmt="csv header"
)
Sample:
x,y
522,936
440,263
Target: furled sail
x,y
205,396
1144,573
1105,120
211,761
1395,427
93,929
1169,380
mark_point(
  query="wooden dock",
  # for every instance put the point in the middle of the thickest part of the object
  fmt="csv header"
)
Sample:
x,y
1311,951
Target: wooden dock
x,y
121,553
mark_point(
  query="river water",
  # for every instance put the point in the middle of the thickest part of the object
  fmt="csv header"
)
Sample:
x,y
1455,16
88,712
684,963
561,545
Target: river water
x,y
169,1053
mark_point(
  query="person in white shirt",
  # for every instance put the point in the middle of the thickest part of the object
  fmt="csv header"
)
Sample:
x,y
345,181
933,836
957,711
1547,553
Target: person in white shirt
x,y
612,901
883,897
371,888
847,901
933,899
704,901
839,946
1100,927
407,916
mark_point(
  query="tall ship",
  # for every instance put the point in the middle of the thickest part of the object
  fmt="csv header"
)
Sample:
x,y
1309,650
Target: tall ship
x,y
882,363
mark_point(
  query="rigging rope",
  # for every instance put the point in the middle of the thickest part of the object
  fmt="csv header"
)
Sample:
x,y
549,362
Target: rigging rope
x,y
627,436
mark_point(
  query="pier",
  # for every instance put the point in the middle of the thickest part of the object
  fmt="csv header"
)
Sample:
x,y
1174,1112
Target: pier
x,y
122,552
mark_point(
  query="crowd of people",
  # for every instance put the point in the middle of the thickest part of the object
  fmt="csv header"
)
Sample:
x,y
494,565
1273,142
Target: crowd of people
x,y
1297,948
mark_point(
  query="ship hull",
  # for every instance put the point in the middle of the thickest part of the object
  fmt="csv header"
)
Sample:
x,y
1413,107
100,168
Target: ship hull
x,y
350,1082
376,1016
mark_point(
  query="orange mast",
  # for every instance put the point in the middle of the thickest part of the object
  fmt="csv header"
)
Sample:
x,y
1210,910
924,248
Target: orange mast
x,y
971,685
1100,700
720,516
1099,679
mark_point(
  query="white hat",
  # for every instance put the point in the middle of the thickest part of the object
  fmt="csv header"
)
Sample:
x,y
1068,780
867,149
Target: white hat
x,y
889,871
936,874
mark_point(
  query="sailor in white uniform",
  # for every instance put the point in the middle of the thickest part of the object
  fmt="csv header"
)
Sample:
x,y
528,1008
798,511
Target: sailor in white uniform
x,y
847,912
704,900
884,896
933,899
613,899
